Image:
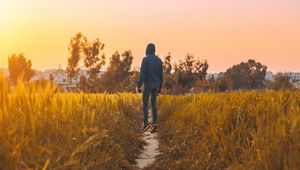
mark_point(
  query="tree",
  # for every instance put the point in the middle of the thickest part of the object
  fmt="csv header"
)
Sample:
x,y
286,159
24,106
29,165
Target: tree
x,y
125,70
189,71
117,76
257,76
169,79
131,87
167,66
283,81
221,83
74,49
211,83
19,67
246,75
93,61
83,84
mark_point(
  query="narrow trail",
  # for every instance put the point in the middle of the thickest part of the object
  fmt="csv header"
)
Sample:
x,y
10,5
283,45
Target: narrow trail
x,y
150,150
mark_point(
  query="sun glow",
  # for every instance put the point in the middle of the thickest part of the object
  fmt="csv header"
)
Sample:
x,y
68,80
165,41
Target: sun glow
x,y
3,12
225,33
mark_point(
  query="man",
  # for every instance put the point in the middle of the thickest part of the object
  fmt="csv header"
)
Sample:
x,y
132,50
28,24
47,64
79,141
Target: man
x,y
151,76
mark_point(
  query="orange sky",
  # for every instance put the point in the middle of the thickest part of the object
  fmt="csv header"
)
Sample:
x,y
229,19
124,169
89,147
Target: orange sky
x,y
224,32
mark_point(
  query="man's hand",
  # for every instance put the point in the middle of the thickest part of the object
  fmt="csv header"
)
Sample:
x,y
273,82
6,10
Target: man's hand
x,y
159,90
138,90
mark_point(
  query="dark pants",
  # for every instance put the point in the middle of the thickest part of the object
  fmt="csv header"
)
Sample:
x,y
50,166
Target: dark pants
x,y
150,89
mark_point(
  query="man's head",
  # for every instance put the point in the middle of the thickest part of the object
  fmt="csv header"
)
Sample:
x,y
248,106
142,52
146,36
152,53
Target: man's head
x,y
150,50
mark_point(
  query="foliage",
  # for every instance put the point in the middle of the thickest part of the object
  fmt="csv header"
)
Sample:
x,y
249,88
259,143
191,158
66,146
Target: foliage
x,y
211,82
83,84
19,68
183,76
169,79
167,65
189,71
131,87
283,81
246,130
246,75
93,62
117,76
75,48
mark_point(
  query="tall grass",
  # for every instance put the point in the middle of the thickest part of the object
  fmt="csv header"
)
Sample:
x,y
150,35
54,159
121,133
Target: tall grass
x,y
41,128
230,131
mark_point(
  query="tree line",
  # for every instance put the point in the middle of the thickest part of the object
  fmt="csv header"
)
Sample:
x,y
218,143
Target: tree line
x,y
189,75
118,75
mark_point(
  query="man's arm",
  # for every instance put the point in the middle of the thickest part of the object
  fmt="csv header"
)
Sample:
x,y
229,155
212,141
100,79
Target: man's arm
x,y
142,74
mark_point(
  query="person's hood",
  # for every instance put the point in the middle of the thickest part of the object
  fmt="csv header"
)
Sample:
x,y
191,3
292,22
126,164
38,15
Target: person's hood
x,y
150,50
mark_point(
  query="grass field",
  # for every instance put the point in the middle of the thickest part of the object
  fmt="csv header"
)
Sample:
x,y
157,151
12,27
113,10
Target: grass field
x,y
246,130
41,128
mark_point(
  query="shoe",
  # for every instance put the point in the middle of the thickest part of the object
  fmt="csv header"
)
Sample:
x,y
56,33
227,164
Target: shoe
x,y
145,128
154,129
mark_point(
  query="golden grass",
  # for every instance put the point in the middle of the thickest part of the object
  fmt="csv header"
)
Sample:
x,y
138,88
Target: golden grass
x,y
230,131
43,129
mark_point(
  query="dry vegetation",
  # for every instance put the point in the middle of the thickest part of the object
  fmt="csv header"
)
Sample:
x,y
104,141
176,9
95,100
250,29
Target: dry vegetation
x,y
42,129
246,130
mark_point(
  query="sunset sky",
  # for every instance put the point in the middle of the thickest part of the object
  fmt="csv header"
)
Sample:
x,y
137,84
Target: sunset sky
x,y
225,32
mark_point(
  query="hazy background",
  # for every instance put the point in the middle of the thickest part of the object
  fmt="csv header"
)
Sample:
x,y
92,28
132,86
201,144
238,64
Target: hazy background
x,y
222,31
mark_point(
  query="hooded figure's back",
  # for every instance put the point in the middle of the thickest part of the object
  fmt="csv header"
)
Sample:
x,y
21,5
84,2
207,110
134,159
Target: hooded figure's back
x,y
151,70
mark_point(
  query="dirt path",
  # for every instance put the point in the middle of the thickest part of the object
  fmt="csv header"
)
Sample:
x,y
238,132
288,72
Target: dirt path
x,y
150,150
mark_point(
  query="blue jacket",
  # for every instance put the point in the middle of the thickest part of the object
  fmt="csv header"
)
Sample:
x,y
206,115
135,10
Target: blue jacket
x,y
151,69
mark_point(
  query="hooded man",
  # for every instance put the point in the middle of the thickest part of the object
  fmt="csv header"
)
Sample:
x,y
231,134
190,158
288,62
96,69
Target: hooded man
x,y
151,75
